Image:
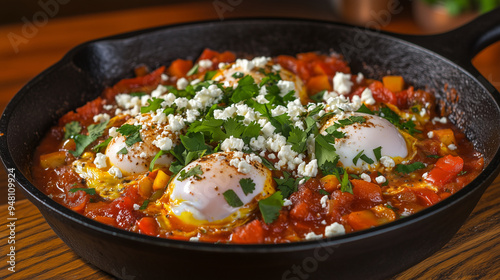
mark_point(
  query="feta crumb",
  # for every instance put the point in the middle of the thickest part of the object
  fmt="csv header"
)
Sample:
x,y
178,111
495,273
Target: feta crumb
x,y
182,83
205,63
308,170
323,222
285,87
313,236
112,132
271,156
387,162
380,179
367,97
115,171
107,107
164,77
452,147
143,155
430,134
425,175
342,83
365,177
360,78
334,230
232,143
442,120
100,160
136,206
164,144
101,118
194,239
157,92
287,202
324,201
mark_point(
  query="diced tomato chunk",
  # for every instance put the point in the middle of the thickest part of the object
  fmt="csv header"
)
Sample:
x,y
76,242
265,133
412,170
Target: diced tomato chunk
x,y
382,94
148,225
360,220
426,196
180,67
250,233
318,83
367,191
445,170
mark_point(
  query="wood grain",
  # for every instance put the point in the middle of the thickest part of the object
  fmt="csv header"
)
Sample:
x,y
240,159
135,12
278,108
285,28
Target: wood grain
x,y
473,253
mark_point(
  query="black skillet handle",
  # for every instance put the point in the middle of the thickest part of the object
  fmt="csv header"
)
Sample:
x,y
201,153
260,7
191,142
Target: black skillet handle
x,y
462,44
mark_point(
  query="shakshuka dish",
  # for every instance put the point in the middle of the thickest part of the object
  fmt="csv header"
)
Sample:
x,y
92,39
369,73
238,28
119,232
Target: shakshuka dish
x,y
254,150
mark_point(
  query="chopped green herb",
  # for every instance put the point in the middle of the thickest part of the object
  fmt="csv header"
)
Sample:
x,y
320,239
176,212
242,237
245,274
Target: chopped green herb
x,y
246,89
193,70
195,171
433,156
209,75
366,159
378,153
270,207
247,185
323,192
463,172
238,75
345,185
90,191
364,109
138,94
298,139
409,168
318,97
131,132
154,104
101,146
152,164
72,129
144,205
288,184
123,151
356,158
232,198
82,141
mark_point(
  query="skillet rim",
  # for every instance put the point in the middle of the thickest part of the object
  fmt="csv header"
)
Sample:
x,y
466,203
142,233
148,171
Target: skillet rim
x,y
38,198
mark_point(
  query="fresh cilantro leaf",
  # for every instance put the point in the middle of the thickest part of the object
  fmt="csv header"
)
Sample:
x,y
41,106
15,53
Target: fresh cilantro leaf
x,y
433,156
152,164
356,158
131,133
332,130
176,167
169,111
154,104
364,109
247,185
234,128
238,75
366,159
195,171
72,129
101,146
90,191
345,185
282,123
378,153
246,89
287,185
298,139
251,131
144,205
209,75
329,167
267,163
123,151
193,70
318,97
463,172
232,198
323,192
325,151
194,142
409,168
270,207
82,141
396,120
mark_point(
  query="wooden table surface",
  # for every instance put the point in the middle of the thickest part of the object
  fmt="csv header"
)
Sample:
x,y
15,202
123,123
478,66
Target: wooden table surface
x,y
473,253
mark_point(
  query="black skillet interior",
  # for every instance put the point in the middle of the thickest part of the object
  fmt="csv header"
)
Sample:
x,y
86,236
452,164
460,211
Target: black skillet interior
x,y
82,75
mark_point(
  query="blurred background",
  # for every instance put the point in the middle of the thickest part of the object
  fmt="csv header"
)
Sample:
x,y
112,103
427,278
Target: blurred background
x,y
35,34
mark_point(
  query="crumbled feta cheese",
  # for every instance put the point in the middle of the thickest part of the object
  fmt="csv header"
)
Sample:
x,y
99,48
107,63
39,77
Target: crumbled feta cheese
x,y
430,134
342,83
205,63
143,155
261,99
285,87
115,171
359,78
164,77
452,147
313,236
258,143
192,115
112,132
243,166
308,170
195,81
425,175
324,201
271,156
182,83
194,239
278,111
232,143
181,102
161,89
100,160
136,206
260,61
107,107
365,177
164,143
387,162
101,118
287,202
334,230
380,179
244,64
442,120
367,97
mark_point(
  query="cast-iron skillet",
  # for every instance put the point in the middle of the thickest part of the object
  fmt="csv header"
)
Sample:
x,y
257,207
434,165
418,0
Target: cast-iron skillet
x,y
426,62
